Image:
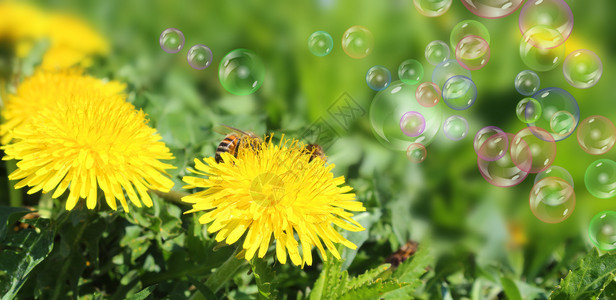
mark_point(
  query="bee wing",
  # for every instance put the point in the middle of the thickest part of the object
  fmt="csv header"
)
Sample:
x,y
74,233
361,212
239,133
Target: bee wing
x,y
224,130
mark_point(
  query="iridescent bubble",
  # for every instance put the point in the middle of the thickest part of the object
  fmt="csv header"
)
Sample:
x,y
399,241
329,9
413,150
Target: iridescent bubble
x,y
357,42
416,153
552,200
602,230
446,70
553,100
555,171
410,71
437,52
600,178
388,107
320,43
412,124
501,172
491,143
241,72
596,135
432,8
582,68
473,52
428,94
562,123
492,9
553,13
459,92
455,128
199,57
539,143
528,110
541,48
171,40
527,82
378,78
466,28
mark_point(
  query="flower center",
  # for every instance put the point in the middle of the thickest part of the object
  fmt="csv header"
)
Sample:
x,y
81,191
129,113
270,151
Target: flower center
x,y
267,189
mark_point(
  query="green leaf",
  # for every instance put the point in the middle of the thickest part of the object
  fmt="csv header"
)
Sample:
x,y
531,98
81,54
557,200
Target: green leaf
x,y
372,289
23,250
143,294
410,272
511,289
329,275
8,216
203,289
593,273
265,278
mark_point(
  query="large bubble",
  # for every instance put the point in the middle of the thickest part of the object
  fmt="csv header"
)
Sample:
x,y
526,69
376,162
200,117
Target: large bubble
x,y
552,200
473,52
410,71
357,42
554,100
555,171
600,178
241,72
491,143
432,8
596,135
447,69
602,230
171,40
199,57
466,28
553,13
387,109
542,48
582,68
541,146
459,92
502,172
492,9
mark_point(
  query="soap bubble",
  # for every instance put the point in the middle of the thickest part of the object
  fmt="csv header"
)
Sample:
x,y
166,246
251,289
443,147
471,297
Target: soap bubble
x,y
596,135
562,123
432,8
357,42
555,171
466,28
539,143
412,123
473,52
378,78
459,92
552,200
492,9
600,178
491,143
528,110
416,153
320,43
428,94
199,57
410,71
554,100
171,40
527,82
388,107
602,230
446,70
501,172
541,48
437,52
241,72
582,68
455,128
553,13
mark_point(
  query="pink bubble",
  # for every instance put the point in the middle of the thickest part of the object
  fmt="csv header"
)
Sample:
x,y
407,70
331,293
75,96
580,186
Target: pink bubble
x,y
552,200
554,13
491,143
492,9
503,172
473,52
539,144
412,124
428,94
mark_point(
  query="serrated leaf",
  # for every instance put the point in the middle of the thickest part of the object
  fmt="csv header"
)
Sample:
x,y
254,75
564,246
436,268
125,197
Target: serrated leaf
x,y
24,250
591,275
413,268
368,276
372,290
328,276
265,278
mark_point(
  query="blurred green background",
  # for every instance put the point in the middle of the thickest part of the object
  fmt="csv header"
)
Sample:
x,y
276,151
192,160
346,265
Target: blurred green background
x,y
477,230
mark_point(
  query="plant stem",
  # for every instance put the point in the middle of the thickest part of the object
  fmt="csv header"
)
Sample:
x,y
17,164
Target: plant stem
x,y
15,196
225,272
65,267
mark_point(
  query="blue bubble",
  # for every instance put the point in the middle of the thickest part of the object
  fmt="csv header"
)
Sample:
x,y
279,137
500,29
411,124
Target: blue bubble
x,y
459,92
378,78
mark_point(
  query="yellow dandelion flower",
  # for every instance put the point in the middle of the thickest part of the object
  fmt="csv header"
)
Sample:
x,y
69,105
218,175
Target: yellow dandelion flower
x,y
89,138
72,42
21,25
42,89
274,191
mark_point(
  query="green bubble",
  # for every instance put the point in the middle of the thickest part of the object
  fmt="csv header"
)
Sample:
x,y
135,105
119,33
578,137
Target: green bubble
x,y
562,122
600,178
241,72
466,28
602,230
410,71
320,43
552,200
528,110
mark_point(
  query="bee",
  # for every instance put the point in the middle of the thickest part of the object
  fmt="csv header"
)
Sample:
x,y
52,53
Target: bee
x,y
315,151
234,138
406,251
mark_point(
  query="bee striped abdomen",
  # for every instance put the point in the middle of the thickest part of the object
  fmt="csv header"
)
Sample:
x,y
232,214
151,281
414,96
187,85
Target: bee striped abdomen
x,y
229,144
